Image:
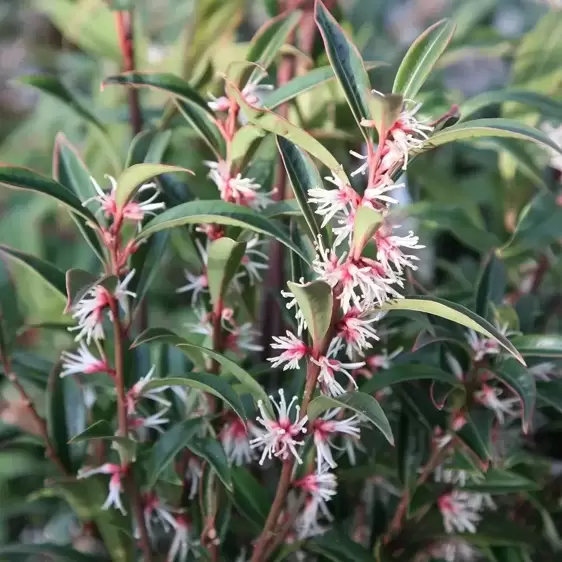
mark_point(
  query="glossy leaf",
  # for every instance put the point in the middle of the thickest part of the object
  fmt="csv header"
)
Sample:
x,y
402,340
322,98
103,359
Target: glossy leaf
x,y
218,212
359,402
274,123
489,128
522,383
268,41
211,450
225,256
455,313
206,382
384,110
405,373
135,176
367,222
539,345
304,176
243,140
167,447
49,274
421,58
22,178
316,302
346,61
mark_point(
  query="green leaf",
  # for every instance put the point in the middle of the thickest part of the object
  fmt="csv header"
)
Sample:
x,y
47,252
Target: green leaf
x,y
268,41
405,373
22,178
316,303
497,481
476,434
225,256
52,86
301,84
243,140
79,282
489,128
455,313
49,274
346,62
336,546
304,176
539,345
550,394
273,123
201,123
206,382
101,429
421,58
135,176
367,222
218,212
384,110
250,497
211,450
47,550
359,402
167,447
518,379
491,285
539,224
165,82
148,147
546,105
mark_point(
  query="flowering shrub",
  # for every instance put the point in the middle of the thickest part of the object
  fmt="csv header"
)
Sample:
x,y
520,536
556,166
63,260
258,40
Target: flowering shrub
x,y
362,416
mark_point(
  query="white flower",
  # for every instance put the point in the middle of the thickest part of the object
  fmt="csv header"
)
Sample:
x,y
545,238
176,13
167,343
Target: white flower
x,y
376,197
482,346
355,329
545,371
88,313
181,543
155,511
133,210
203,325
197,282
115,487
137,392
307,523
454,550
460,511
243,338
329,367
301,324
252,266
279,436
252,93
507,407
193,474
321,488
324,430
389,249
329,202
234,437
382,360
293,351
155,421
82,361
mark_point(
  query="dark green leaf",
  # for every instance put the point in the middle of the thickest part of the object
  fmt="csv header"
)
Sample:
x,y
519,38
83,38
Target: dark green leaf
x,y
225,256
211,450
550,393
497,481
47,551
491,286
539,345
250,497
335,545
148,147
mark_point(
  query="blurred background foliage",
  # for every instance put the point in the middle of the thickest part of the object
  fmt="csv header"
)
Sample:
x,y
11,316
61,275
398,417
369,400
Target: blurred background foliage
x,y
462,191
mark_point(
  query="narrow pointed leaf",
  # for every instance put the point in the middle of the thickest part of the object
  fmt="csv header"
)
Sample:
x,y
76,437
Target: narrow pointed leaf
x,y
362,404
455,313
520,382
135,176
212,451
304,176
421,58
539,345
491,285
367,222
346,61
316,302
22,178
384,110
225,256
218,212
148,147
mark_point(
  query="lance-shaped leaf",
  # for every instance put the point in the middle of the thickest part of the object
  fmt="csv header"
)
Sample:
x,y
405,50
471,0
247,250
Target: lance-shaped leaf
x,y
346,61
205,382
165,82
268,40
218,212
539,345
489,128
79,282
421,58
363,404
225,256
199,119
22,178
167,447
384,110
304,176
490,288
48,273
455,313
212,451
273,123
522,383
243,140
135,176
148,147
316,303
367,222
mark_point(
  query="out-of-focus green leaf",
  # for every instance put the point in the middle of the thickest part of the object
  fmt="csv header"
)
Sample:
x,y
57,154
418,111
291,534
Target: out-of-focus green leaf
x,y
218,212
148,147
359,402
225,256
539,345
491,286
336,546
212,451
421,58
250,497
